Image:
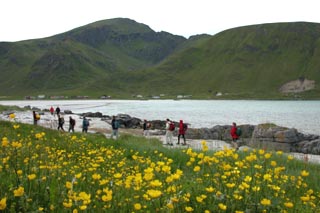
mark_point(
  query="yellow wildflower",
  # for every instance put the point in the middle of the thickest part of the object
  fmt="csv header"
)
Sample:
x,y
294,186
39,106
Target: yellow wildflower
x,y
12,116
170,205
267,155
78,175
67,204
273,163
305,198
68,185
288,204
265,202
18,192
137,206
117,175
19,172
5,142
196,169
32,176
3,203
304,173
16,144
96,176
156,183
154,193
189,209
83,207
210,189
290,157
222,206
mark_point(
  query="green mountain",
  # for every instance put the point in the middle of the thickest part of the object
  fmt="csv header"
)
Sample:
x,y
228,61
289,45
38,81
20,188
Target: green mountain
x,y
245,62
121,57
72,62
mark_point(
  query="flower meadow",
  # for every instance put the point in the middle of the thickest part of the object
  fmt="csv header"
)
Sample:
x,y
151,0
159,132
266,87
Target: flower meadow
x,y
44,170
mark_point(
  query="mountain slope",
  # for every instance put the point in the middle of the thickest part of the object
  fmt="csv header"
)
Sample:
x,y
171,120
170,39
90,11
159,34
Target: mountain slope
x,y
75,59
121,57
252,61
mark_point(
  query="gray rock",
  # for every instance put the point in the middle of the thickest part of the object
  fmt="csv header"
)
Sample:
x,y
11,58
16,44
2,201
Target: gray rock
x,y
286,136
92,114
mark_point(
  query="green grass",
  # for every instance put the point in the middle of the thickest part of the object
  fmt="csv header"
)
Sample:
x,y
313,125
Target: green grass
x,y
120,57
46,170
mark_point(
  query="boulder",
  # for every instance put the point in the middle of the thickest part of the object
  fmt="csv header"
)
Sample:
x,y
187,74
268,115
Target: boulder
x,y
286,136
92,114
271,136
308,147
69,112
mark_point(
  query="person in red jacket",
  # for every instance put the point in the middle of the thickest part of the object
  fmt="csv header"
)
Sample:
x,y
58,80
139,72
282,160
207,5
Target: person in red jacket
x,y
182,132
235,137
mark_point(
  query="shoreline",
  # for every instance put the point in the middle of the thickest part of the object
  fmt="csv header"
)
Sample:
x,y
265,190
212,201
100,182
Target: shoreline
x,y
96,125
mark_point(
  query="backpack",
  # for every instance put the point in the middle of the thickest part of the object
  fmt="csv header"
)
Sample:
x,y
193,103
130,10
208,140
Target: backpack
x,y
37,117
86,123
185,127
171,126
116,124
238,131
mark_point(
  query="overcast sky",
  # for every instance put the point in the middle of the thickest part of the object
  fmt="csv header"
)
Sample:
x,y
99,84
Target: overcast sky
x,y
30,19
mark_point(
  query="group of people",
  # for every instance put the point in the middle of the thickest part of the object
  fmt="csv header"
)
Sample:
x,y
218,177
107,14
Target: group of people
x,y
235,132
170,127
61,121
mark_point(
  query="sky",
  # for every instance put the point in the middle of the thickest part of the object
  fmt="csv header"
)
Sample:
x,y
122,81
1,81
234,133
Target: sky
x,y
32,19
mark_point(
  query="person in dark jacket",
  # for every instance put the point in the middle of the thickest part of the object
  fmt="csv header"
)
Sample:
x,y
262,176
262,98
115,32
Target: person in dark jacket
x,y
58,110
182,132
234,136
115,126
85,125
36,117
72,123
60,122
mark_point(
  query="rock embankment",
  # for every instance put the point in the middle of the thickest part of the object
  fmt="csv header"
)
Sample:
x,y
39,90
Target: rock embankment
x,y
266,136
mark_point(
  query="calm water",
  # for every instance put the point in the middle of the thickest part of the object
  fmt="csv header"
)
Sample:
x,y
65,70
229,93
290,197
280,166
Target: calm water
x,y
302,115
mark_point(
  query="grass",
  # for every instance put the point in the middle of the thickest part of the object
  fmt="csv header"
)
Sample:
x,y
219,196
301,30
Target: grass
x,y
121,58
43,170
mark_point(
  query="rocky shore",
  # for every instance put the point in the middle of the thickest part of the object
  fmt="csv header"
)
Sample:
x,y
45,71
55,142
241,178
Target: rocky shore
x,y
266,136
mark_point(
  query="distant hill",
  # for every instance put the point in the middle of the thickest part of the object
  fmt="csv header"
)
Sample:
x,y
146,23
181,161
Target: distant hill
x,y
70,62
121,57
245,62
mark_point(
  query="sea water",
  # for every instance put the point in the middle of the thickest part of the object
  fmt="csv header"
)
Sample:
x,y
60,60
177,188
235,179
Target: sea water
x,y
302,115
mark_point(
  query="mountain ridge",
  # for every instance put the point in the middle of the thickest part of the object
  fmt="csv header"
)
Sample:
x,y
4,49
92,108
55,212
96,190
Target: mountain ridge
x,y
122,57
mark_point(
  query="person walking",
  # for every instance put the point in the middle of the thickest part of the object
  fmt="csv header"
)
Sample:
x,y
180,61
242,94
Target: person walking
x,y
72,123
60,122
115,126
234,136
52,110
85,125
146,127
169,132
58,110
182,131
36,117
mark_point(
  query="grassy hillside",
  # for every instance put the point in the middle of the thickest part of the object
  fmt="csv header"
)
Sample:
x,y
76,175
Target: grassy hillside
x,y
121,57
245,62
72,62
